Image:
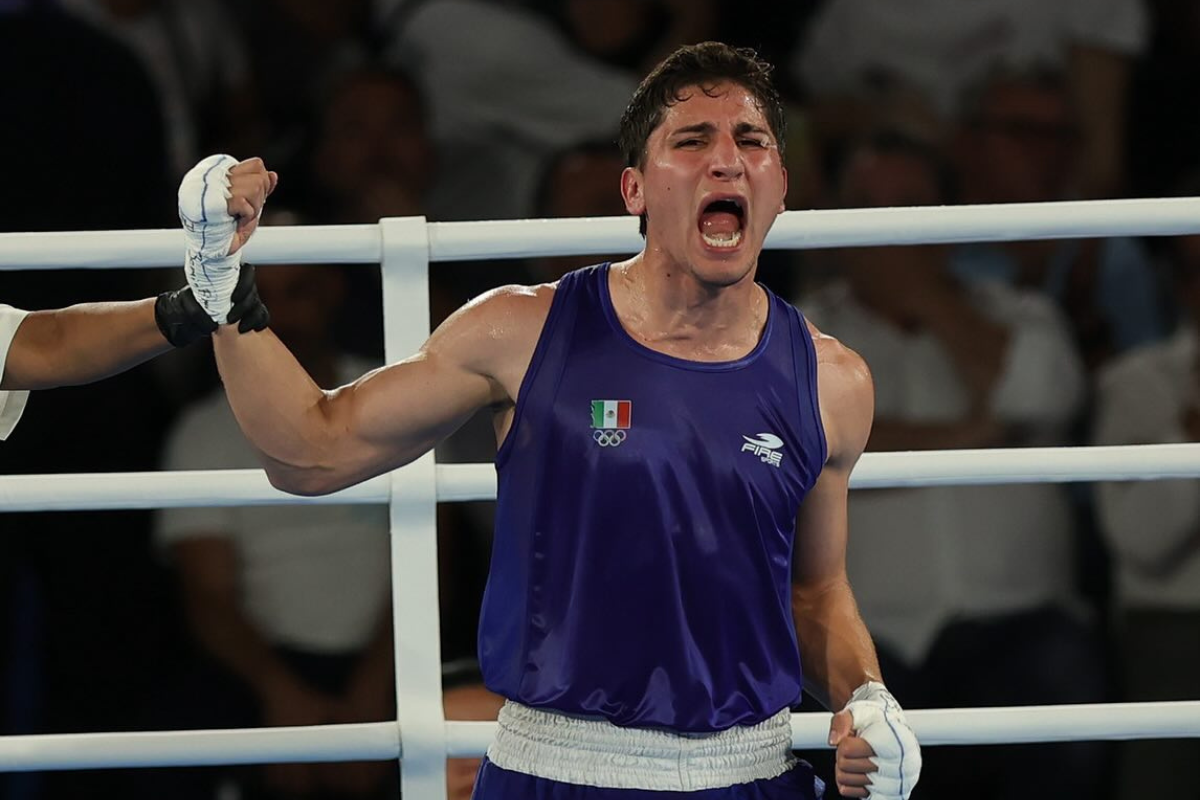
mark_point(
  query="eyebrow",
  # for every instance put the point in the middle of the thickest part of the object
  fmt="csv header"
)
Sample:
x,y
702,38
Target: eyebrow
x,y
708,128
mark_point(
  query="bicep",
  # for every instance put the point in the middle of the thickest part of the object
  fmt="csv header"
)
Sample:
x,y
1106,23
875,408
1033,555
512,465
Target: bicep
x,y
847,397
393,415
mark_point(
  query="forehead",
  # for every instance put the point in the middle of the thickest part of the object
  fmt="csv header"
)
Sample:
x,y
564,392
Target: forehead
x,y
722,104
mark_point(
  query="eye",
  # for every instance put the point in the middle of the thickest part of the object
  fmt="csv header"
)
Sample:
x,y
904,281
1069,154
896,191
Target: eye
x,y
688,143
760,143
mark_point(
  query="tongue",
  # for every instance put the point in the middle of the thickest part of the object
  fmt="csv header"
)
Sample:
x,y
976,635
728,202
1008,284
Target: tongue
x,y
713,223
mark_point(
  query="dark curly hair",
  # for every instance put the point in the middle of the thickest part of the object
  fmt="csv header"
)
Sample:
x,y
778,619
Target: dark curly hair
x,y
704,65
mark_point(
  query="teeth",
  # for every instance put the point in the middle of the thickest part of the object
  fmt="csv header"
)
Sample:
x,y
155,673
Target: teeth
x,y
723,239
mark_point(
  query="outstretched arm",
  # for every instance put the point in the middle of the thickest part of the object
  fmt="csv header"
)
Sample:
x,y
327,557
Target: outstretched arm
x,y
89,341
81,343
313,441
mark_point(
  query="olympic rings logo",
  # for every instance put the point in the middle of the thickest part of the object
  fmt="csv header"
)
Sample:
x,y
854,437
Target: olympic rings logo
x,y
608,438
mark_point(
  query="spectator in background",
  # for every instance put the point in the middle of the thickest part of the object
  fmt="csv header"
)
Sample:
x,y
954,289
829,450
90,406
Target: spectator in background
x,y
967,589
193,52
296,44
289,605
368,156
1152,396
913,59
581,181
633,34
83,614
1018,144
506,89
372,156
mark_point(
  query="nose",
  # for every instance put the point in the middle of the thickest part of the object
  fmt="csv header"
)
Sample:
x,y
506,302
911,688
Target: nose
x,y
725,160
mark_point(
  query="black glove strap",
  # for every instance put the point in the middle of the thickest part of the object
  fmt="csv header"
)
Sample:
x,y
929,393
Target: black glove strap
x,y
183,321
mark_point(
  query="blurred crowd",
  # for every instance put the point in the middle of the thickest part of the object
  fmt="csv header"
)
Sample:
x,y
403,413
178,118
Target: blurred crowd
x,y
486,109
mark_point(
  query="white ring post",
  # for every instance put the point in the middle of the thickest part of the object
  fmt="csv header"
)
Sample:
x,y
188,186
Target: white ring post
x,y
418,650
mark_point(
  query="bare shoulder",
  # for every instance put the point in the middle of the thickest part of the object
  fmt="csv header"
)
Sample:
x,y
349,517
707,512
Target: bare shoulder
x,y
505,315
495,334
846,394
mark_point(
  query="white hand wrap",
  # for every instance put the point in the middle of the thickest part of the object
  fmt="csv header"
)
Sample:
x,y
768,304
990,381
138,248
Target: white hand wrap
x,y
879,720
209,227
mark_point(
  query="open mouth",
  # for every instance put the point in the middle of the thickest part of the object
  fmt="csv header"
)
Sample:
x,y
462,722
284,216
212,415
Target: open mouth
x,y
721,223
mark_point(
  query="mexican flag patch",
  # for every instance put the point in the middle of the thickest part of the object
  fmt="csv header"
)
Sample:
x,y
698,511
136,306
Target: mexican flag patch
x,y
611,414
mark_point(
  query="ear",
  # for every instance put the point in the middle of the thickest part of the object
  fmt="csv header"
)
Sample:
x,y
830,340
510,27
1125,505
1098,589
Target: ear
x,y
783,200
632,184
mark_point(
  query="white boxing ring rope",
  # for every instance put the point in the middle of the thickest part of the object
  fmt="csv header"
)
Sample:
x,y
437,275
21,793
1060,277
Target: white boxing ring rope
x,y
404,247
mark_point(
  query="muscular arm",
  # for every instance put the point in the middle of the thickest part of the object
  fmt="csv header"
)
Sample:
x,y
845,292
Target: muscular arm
x,y
81,343
313,441
836,648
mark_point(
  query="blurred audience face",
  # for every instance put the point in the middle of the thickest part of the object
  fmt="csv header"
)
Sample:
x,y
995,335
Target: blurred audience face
x,y
375,157
303,301
583,183
1020,147
884,278
609,29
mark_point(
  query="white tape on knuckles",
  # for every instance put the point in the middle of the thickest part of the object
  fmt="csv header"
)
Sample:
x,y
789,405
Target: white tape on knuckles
x,y
880,720
209,228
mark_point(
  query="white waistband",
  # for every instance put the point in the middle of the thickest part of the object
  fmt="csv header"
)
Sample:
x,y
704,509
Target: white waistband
x,y
593,752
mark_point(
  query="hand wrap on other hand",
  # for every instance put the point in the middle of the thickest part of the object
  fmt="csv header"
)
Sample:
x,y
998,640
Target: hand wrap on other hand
x,y
183,321
879,719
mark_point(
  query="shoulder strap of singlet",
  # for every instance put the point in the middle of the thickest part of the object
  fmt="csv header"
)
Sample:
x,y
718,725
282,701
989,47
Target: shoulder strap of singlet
x,y
804,351
551,351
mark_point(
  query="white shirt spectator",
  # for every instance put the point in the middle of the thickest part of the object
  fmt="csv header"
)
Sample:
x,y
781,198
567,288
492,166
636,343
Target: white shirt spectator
x,y
921,558
314,578
192,50
12,404
1153,527
505,90
940,47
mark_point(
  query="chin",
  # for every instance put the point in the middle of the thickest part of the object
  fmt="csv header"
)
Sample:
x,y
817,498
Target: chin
x,y
722,272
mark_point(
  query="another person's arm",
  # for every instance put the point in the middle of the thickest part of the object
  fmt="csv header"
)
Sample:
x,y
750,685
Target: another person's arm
x,y
212,596
89,341
81,343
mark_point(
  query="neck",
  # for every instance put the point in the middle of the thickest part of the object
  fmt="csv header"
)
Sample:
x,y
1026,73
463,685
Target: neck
x,y
667,306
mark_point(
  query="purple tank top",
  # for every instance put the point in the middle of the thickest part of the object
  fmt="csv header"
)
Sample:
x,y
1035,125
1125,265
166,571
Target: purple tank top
x,y
641,569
